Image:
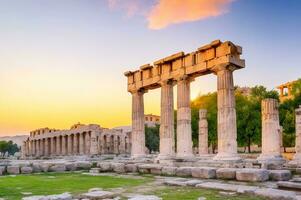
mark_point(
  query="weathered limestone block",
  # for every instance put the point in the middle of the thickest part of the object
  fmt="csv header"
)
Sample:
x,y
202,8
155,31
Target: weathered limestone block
x,y
26,170
2,170
280,175
83,165
145,168
226,173
169,171
57,168
193,182
226,187
13,169
118,167
252,175
97,194
275,194
203,172
71,166
183,171
44,167
104,166
289,185
36,167
156,169
131,168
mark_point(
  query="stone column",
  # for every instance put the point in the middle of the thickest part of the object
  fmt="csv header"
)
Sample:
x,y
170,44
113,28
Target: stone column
x,y
58,146
226,116
75,144
203,132
88,143
270,148
184,137
297,156
70,145
64,149
46,152
53,146
23,150
38,150
138,132
116,150
122,145
93,146
32,148
81,143
167,140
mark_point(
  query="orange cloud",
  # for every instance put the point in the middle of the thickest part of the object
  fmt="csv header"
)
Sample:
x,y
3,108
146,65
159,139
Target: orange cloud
x,y
167,12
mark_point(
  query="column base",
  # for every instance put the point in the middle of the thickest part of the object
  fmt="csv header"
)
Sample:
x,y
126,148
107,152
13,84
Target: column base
x,y
271,161
205,156
227,157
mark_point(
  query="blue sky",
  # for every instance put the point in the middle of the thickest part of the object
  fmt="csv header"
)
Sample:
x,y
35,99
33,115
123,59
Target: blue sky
x,y
71,54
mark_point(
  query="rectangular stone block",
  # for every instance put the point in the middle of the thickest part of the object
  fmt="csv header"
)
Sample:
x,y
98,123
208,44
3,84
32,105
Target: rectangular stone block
x,y
280,175
203,172
226,173
118,167
169,171
252,175
2,170
131,168
13,169
184,171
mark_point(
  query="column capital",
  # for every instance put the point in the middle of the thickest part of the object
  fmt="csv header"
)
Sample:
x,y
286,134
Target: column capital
x,y
140,91
223,67
185,78
167,82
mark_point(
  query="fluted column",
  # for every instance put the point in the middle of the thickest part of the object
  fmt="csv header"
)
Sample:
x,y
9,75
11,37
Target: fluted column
x,y
122,145
53,146
75,144
115,145
93,146
203,132
167,140
70,145
64,149
226,116
297,156
138,132
184,137
81,143
88,143
33,149
270,148
58,146
46,147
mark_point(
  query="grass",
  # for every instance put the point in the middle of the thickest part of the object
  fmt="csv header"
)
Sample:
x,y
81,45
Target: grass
x,y
189,193
11,188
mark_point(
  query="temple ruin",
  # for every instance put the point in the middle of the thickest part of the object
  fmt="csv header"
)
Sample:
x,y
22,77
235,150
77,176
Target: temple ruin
x,y
219,58
79,140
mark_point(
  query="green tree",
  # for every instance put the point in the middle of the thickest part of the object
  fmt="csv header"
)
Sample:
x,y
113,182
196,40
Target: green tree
x,y
9,147
152,138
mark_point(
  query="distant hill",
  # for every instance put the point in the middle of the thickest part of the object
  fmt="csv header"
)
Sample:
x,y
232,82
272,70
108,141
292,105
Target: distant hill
x,y
18,139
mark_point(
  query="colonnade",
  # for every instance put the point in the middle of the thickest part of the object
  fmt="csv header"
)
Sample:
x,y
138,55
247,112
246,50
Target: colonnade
x,y
114,144
61,145
227,133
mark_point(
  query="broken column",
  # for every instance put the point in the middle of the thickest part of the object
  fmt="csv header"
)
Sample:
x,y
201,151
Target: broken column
x,y
184,137
270,150
167,141
138,132
297,156
226,119
203,132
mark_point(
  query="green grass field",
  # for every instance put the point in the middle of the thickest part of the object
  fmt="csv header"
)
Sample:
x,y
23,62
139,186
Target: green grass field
x,y
11,188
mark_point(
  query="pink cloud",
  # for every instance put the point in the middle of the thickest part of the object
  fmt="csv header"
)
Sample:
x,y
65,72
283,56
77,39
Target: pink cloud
x,y
162,13
167,12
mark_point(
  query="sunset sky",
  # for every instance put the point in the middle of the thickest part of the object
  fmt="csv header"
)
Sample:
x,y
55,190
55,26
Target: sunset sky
x,y
62,61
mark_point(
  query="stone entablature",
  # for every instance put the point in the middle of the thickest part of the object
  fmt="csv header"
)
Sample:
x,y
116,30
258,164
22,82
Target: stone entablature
x,y
201,62
79,140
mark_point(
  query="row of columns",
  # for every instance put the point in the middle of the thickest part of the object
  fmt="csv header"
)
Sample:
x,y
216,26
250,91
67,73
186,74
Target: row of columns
x,y
227,145
74,144
114,144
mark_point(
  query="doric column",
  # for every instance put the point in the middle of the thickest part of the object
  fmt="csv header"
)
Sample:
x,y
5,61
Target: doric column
x,y
53,146
226,116
81,143
116,150
46,147
93,146
64,149
23,150
88,142
167,140
70,145
38,150
32,148
297,156
270,148
58,146
203,132
184,137
75,144
138,132
122,145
